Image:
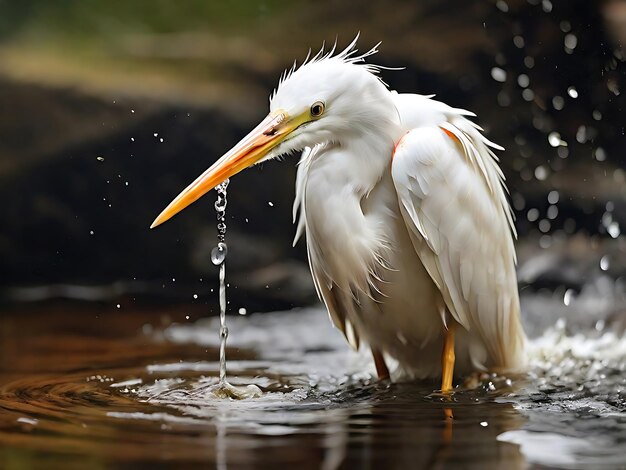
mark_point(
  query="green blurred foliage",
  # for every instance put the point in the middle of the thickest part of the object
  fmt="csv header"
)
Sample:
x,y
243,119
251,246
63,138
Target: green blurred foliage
x,y
99,19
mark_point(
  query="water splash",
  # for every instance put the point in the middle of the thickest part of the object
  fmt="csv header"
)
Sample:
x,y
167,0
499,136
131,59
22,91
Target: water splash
x,y
218,257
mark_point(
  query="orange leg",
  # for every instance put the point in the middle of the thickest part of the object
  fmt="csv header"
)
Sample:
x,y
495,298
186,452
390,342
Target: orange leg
x,y
447,359
379,362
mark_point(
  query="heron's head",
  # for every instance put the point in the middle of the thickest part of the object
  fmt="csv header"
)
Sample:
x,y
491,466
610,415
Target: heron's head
x,y
330,98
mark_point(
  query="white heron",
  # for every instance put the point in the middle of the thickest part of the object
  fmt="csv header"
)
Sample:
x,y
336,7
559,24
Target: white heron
x,y
408,228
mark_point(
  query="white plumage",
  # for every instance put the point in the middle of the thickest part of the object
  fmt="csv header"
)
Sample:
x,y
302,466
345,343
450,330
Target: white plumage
x,y
408,227
429,231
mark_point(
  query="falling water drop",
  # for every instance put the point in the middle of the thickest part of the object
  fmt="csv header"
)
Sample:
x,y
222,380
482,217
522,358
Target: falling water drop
x,y
218,254
570,42
558,102
553,197
218,257
604,263
498,74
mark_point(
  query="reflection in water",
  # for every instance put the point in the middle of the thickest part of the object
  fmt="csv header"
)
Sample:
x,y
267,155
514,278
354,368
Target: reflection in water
x,y
143,399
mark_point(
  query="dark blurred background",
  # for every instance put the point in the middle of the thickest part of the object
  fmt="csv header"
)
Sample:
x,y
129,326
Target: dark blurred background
x,y
109,108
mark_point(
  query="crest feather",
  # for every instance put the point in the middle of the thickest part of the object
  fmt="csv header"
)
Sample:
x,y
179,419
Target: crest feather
x,y
349,56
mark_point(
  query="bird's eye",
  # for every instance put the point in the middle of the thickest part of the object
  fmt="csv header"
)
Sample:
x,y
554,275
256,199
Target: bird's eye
x,y
317,109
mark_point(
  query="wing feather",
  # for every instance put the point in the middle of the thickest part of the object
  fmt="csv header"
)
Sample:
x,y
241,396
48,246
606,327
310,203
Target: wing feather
x,y
453,201
334,298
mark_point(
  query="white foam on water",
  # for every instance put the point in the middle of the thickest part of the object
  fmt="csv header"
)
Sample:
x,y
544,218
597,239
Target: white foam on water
x,y
574,381
295,343
551,449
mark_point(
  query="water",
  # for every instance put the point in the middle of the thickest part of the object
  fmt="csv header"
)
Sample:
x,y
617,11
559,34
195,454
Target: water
x,y
223,389
139,397
218,257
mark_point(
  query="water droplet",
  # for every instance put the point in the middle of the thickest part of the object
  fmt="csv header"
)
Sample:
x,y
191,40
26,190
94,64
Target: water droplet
x,y
91,232
570,41
132,139
604,263
118,306
100,158
554,139
532,215
529,62
518,41
613,229
270,203
186,317
220,204
541,173
552,212
523,80
502,6
600,154
484,424
156,134
553,197
544,225
528,94
568,296
558,102
195,296
572,92
161,140
218,254
498,74
243,311
546,5
545,241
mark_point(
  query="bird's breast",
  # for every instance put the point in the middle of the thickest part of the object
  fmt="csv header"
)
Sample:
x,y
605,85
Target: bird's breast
x,y
359,247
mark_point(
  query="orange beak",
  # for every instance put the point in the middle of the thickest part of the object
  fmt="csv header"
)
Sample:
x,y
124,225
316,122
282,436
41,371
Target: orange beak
x,y
252,148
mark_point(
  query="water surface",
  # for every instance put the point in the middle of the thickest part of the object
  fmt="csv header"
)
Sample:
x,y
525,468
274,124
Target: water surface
x,y
132,390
